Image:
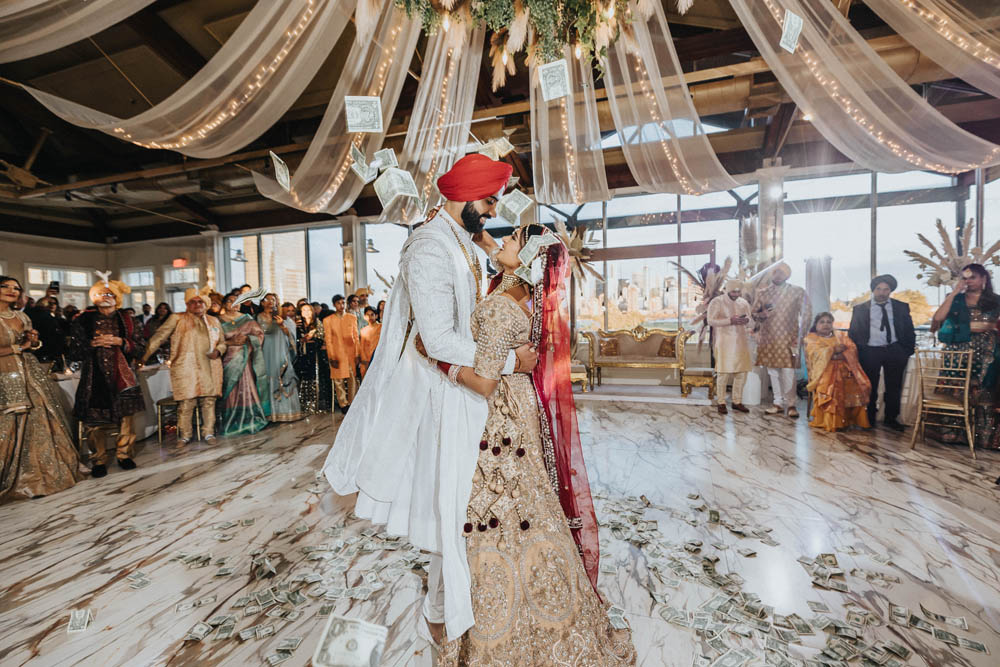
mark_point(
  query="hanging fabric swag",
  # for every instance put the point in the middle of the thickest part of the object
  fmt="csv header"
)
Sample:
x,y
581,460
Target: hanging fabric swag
x,y
857,102
567,158
438,129
376,67
31,27
243,90
662,137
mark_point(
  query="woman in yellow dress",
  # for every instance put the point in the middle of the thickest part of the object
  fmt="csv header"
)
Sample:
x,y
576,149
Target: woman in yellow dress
x,y
839,387
531,531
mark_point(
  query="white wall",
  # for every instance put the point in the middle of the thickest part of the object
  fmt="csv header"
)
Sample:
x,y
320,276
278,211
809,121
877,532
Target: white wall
x,y
19,250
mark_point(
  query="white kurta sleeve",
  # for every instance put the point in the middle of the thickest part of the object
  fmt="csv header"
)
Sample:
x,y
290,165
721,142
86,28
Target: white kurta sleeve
x,y
427,269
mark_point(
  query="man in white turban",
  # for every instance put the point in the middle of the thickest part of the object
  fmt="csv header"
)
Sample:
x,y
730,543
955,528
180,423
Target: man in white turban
x,y
729,315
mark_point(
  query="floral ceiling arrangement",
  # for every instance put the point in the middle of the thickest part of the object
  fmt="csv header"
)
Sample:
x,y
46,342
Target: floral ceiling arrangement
x,y
545,28
944,265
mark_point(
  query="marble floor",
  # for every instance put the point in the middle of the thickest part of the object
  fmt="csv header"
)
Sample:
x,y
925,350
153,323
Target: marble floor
x,y
929,517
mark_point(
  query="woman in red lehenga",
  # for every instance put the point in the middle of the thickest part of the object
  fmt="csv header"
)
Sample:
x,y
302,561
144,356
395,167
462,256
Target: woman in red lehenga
x,y
530,515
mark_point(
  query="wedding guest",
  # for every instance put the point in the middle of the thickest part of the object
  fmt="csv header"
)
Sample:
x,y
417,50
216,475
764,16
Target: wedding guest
x,y
369,339
46,321
311,365
839,387
321,309
37,454
729,315
354,311
247,307
196,349
107,342
380,309
968,322
147,314
70,311
883,331
783,313
343,349
163,312
245,389
279,356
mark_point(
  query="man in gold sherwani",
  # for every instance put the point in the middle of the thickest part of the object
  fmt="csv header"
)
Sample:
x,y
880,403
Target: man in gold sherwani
x,y
783,313
196,348
343,349
729,315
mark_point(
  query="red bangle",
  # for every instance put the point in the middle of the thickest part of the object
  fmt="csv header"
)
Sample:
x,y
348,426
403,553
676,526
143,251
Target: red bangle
x,y
444,367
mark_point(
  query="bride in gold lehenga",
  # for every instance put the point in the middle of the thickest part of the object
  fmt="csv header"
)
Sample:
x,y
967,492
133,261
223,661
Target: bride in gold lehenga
x,y
37,454
530,515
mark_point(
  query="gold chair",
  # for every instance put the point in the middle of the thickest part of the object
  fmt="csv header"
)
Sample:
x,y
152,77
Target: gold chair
x,y
169,403
944,377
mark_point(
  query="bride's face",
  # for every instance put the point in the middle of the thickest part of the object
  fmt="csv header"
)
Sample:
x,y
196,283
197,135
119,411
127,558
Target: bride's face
x,y
507,257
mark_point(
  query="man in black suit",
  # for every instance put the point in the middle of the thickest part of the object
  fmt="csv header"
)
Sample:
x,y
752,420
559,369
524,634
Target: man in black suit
x,y
883,331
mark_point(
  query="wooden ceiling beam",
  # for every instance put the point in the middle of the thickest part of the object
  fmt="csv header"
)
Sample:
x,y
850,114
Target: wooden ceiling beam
x,y
48,228
166,42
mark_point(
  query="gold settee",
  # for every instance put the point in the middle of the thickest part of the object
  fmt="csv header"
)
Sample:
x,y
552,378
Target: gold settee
x,y
637,348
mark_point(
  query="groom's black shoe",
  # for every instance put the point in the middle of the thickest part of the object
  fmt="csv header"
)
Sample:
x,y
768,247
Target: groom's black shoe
x,y
894,425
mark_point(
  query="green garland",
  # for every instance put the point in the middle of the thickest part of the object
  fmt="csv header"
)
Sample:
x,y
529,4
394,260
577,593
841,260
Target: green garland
x,y
556,23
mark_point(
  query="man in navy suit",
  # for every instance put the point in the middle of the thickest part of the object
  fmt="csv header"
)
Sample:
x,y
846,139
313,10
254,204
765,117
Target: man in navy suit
x,y
883,331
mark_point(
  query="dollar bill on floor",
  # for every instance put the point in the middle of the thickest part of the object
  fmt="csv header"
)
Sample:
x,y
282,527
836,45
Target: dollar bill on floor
x,y
198,632
920,624
973,645
350,642
395,182
945,636
616,616
955,621
278,657
79,619
512,205
364,114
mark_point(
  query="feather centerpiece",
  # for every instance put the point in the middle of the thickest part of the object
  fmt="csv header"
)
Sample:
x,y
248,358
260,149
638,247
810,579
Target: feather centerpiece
x,y
943,266
710,281
579,254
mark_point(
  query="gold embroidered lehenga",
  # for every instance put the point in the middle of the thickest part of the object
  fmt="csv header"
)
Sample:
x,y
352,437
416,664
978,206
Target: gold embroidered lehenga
x,y
37,455
532,599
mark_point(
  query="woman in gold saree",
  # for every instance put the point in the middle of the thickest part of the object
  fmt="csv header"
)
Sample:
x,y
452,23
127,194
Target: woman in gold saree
x,y
839,387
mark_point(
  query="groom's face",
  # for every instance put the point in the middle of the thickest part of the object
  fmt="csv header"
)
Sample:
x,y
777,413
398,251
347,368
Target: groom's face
x,y
476,213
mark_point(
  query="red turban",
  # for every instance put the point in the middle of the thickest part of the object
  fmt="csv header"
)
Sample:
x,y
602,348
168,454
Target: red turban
x,y
474,177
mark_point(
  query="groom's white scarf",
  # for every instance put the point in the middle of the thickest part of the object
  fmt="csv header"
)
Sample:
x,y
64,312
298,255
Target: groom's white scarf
x,y
407,446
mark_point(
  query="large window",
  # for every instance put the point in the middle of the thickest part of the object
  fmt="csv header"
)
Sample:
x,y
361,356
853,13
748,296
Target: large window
x,y
74,284
176,281
143,285
283,265
326,264
384,243
243,261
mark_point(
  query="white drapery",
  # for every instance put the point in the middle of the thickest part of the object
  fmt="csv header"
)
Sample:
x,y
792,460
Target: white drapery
x,y
857,102
567,158
959,35
376,67
31,27
661,134
241,92
438,128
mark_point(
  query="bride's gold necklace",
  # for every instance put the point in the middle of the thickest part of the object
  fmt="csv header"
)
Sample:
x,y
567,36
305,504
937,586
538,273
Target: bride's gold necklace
x,y
8,314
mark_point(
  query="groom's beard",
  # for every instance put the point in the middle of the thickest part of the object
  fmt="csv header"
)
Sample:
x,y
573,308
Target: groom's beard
x,y
472,220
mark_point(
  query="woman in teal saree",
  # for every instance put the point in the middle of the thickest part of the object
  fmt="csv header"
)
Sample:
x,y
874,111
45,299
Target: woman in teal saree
x,y
279,357
245,389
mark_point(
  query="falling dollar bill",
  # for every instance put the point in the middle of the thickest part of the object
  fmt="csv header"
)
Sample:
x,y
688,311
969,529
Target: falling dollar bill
x,y
394,183
367,173
554,79
489,149
364,114
350,642
280,175
512,205
385,158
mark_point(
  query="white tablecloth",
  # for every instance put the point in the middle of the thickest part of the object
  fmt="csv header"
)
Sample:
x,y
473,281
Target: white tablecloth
x,y
155,383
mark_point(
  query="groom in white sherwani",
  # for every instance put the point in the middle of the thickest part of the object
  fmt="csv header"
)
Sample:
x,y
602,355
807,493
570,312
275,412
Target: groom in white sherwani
x,y
408,445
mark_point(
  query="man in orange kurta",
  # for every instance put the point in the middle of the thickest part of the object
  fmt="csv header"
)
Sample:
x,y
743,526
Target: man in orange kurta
x,y
369,339
343,349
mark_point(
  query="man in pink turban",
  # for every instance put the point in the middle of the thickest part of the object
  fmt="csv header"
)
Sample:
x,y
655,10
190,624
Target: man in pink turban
x,y
408,446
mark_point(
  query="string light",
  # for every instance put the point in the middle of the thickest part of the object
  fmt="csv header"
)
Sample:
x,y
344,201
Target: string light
x,y
375,90
955,34
675,165
446,21
251,87
503,57
572,173
852,111
578,52
610,11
